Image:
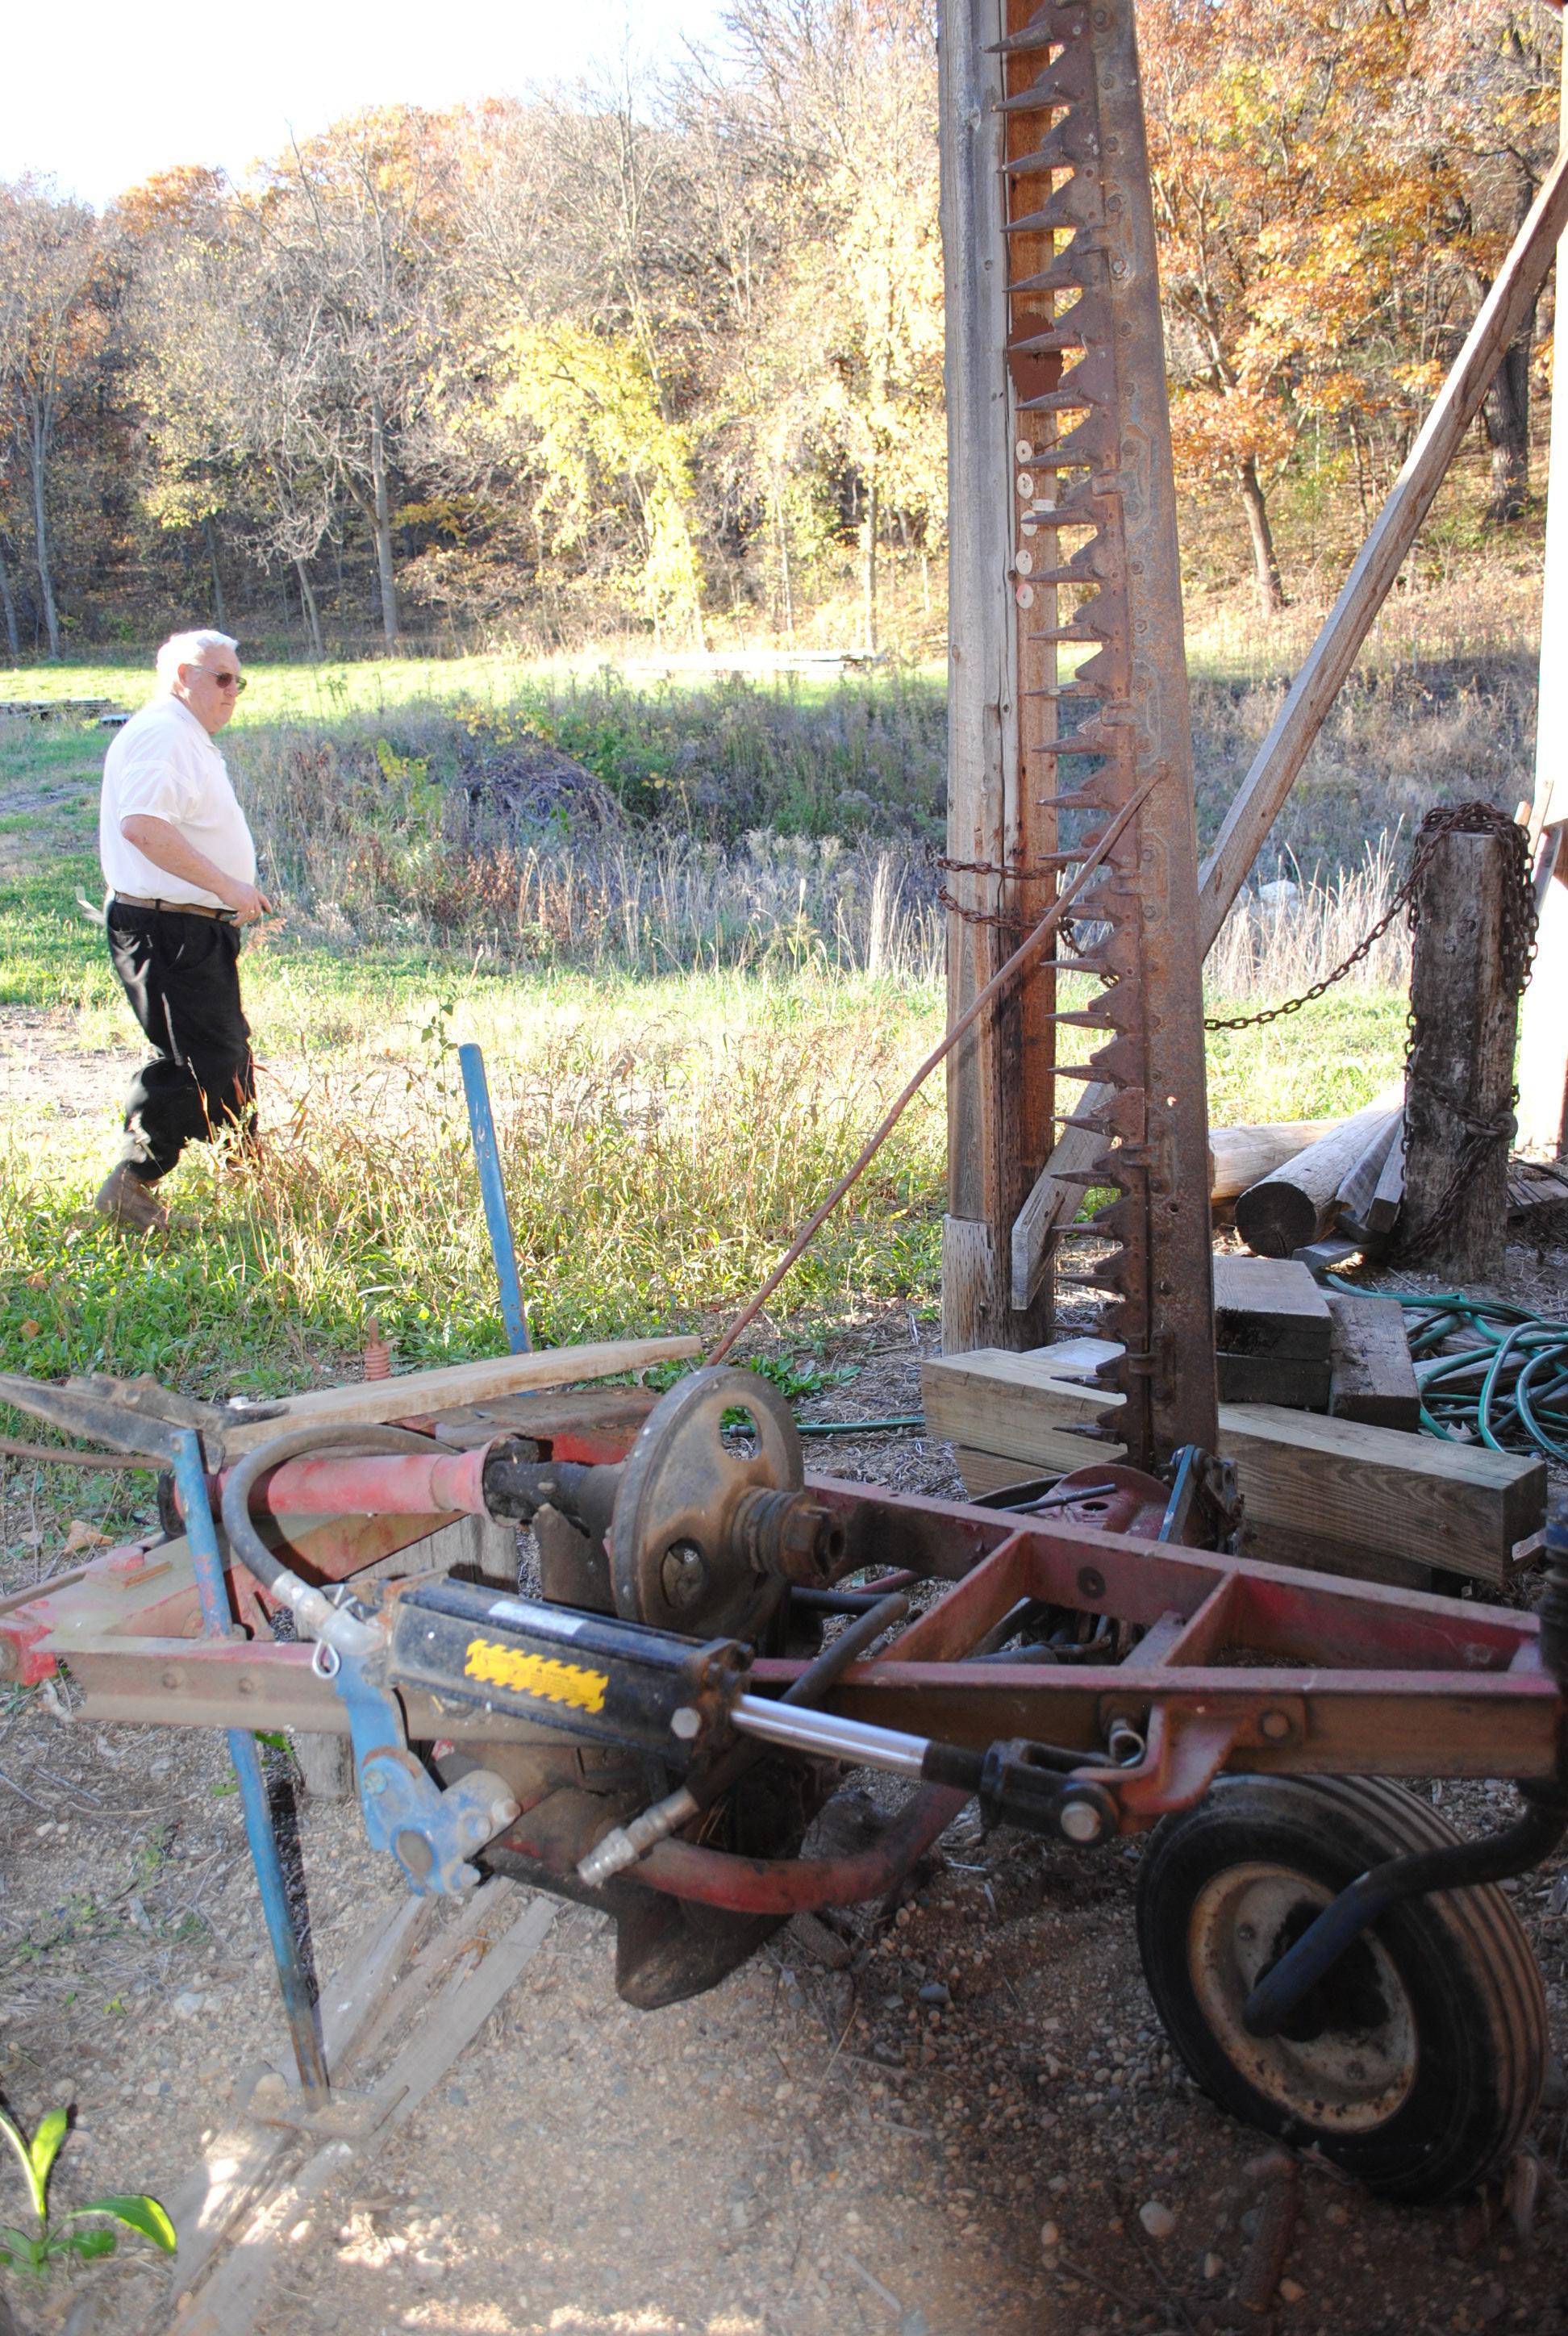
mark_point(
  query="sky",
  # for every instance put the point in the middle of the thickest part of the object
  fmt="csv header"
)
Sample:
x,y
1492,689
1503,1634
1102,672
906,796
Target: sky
x,y
124,95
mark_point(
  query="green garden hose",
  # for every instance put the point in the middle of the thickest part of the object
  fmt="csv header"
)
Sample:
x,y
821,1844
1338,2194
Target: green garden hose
x,y
1507,1386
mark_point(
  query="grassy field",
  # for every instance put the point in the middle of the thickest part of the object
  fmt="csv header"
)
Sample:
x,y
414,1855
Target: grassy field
x,y
690,1021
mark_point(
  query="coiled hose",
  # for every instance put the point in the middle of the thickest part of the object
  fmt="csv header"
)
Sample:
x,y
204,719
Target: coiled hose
x,y
1505,1386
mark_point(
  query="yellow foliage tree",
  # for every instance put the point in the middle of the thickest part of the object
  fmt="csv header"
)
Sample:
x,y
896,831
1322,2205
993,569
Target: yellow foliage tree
x,y
610,463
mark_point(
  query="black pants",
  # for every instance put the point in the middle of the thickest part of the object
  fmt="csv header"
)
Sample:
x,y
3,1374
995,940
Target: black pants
x,y
181,975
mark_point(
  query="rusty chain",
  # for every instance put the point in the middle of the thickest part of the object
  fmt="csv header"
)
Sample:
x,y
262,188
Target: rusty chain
x,y
1467,819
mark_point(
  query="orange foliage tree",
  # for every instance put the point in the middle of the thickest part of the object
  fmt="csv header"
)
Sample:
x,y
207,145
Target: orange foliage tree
x,y
1309,206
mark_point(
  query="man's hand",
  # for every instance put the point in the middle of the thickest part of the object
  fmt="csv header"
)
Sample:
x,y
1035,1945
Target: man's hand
x,y
162,842
246,901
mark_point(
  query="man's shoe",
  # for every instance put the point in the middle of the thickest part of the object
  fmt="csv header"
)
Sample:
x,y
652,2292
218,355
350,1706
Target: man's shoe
x,y
125,1199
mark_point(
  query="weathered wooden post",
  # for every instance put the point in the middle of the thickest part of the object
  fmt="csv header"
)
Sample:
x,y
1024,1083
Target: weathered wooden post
x,y
1470,943
1000,1088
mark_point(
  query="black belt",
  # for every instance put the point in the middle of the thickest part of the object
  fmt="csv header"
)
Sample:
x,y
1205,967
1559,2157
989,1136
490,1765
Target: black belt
x,y
177,908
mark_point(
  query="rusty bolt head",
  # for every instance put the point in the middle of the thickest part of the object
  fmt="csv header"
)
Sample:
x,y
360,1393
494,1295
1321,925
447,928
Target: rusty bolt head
x,y
1274,1727
683,1575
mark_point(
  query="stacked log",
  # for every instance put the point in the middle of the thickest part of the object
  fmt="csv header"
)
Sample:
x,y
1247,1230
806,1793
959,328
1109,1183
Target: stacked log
x,y
1345,1172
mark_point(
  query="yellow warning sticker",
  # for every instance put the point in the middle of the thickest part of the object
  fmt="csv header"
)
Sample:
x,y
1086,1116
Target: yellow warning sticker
x,y
552,1682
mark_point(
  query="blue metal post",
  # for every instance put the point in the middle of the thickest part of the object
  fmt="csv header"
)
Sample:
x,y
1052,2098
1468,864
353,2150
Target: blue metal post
x,y
487,1158
190,1479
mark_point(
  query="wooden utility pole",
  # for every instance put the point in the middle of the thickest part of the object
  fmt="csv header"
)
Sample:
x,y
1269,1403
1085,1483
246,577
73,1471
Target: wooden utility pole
x,y
1464,1003
1000,1089
1543,1024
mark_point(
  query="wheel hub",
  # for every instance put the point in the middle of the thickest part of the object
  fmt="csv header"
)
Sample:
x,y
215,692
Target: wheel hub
x,y
1347,2058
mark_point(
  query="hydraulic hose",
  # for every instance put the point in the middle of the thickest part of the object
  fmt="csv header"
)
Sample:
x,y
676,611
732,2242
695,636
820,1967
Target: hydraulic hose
x,y
333,1615
1506,1387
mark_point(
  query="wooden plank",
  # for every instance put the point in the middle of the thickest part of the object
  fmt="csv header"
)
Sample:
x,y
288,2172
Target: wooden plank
x,y
417,1395
1374,1378
1277,1545
1411,1496
994,1399
1294,1380
496,1940
1269,1306
577,1411
992,1471
241,2154
1278,761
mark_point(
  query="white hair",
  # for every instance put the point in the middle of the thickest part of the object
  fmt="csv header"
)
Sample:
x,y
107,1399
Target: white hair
x,y
185,648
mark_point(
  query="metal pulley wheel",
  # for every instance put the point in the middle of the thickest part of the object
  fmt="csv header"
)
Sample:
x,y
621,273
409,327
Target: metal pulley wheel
x,y
676,1540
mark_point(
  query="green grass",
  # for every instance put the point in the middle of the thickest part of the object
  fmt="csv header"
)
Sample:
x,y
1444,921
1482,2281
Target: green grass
x,y
664,1134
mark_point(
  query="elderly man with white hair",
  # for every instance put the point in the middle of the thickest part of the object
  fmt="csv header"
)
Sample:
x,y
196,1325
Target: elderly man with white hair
x,y
180,866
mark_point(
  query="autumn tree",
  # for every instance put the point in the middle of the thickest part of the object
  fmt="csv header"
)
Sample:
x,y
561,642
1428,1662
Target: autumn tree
x,y
49,339
1303,203
345,236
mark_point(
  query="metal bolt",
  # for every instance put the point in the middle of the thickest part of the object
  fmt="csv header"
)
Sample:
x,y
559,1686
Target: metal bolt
x,y
1081,1822
683,1575
373,1783
685,1723
1091,1582
1275,1726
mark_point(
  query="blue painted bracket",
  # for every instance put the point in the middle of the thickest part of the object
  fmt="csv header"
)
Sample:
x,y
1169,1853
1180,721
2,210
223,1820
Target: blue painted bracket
x,y
487,1158
191,1477
430,1832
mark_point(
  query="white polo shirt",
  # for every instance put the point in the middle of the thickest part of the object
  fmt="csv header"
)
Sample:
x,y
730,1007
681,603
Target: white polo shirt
x,y
164,765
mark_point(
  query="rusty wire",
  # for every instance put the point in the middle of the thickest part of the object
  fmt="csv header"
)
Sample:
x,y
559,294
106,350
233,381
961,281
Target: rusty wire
x,y
1005,974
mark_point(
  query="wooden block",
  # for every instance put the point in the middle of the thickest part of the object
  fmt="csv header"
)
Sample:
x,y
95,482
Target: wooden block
x,y
1410,1496
1277,1545
989,1472
1370,1488
1290,1379
1269,1306
1374,1380
992,1399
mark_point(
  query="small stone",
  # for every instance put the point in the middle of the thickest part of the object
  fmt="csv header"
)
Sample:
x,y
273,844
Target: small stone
x,y
1213,2266
1050,2237
187,2005
1291,2291
936,1994
1156,2218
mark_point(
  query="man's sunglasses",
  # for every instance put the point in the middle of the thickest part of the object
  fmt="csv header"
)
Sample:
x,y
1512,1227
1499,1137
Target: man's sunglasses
x,y
234,681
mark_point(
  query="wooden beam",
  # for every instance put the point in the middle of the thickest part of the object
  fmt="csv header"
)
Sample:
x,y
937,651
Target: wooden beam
x,y
1374,1380
415,1395
999,1084
1278,761
1415,1498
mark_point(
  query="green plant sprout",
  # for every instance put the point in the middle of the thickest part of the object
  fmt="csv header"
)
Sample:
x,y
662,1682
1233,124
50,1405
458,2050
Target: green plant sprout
x,y
57,2239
